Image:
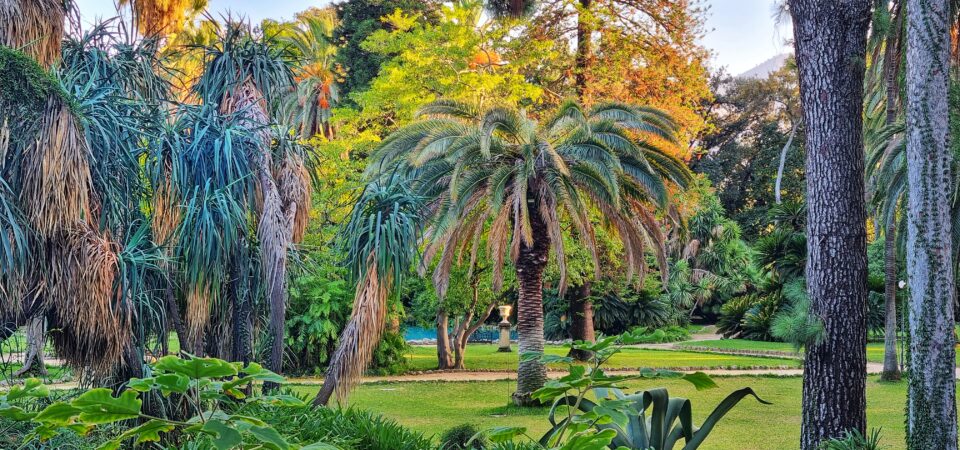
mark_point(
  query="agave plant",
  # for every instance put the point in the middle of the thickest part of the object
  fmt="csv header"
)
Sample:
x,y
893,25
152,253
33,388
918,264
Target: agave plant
x,y
646,420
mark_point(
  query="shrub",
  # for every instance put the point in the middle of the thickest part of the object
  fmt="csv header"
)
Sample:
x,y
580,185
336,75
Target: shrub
x,y
349,429
671,333
460,437
853,440
389,357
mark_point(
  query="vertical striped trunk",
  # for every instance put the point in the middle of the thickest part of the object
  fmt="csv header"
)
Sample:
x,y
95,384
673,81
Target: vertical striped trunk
x,y
584,50
891,370
531,262
830,38
931,399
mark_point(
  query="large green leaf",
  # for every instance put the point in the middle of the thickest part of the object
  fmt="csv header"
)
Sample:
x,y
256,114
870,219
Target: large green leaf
x,y
59,413
99,406
196,368
32,387
225,437
149,431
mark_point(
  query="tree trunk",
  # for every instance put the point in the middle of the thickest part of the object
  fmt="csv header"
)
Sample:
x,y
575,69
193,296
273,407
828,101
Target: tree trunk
x,y
931,399
891,370
36,337
584,50
783,163
581,320
444,357
531,261
830,39
467,327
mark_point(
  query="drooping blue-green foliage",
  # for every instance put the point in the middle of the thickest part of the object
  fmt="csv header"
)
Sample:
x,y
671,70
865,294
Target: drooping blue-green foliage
x,y
384,228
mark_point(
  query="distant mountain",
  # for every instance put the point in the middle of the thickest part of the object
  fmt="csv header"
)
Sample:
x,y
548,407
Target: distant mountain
x,y
767,67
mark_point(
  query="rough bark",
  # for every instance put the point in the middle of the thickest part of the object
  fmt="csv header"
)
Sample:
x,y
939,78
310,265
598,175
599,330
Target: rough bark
x,y
581,320
931,399
830,39
33,358
891,369
444,356
584,49
531,262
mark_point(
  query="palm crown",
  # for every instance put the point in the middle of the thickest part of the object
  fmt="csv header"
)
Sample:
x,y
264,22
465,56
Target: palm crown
x,y
501,175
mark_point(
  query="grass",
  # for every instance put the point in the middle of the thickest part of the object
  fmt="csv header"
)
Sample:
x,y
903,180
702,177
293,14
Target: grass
x,y
433,407
874,349
486,357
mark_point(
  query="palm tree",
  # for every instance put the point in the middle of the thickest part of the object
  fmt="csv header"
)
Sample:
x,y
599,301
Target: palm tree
x,y
931,403
158,18
380,244
244,76
497,173
311,38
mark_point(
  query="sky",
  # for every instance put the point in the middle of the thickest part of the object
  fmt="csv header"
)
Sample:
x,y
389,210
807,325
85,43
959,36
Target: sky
x,y
741,34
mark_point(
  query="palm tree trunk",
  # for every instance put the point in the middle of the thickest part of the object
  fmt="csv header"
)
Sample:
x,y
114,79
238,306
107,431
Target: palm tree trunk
x,y
584,50
891,370
531,262
931,399
444,357
830,39
36,338
359,338
581,320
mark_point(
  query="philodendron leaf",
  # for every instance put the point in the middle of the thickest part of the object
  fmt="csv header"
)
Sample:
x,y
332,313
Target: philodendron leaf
x,y
58,414
149,431
269,438
504,434
32,387
700,380
172,382
590,441
281,400
319,446
225,437
99,406
16,413
196,367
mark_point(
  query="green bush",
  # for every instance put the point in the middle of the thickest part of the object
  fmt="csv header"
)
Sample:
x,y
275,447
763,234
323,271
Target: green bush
x,y
460,437
348,429
389,357
672,333
853,440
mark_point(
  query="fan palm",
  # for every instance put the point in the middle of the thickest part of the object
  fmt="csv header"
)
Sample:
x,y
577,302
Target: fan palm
x,y
162,17
380,244
311,38
500,174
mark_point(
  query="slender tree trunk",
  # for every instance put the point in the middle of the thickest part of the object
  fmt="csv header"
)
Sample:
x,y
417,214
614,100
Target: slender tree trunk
x,y
830,39
581,320
891,370
444,357
584,49
173,314
783,162
531,262
36,337
931,399
464,332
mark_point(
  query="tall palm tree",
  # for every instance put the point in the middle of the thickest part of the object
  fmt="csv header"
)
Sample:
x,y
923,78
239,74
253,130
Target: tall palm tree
x,y
311,39
159,18
380,243
244,77
931,403
500,174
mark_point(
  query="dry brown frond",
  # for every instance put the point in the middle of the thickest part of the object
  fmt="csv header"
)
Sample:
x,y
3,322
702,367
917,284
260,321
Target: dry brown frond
x,y
360,337
198,315
159,17
167,214
92,321
57,183
34,27
294,185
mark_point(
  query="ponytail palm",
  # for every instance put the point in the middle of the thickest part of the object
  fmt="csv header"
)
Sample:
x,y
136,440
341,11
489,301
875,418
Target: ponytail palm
x,y
497,173
380,244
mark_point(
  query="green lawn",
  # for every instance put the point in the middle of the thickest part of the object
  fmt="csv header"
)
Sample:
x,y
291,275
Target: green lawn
x,y
486,357
874,349
432,407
